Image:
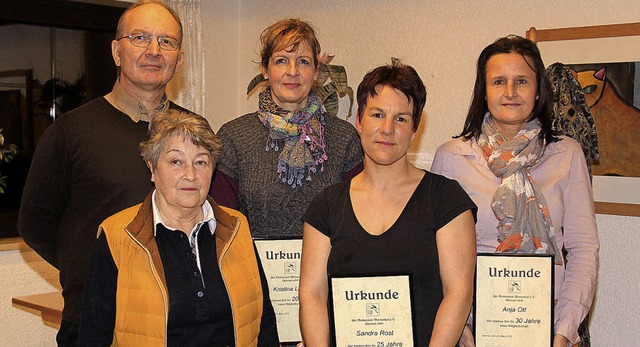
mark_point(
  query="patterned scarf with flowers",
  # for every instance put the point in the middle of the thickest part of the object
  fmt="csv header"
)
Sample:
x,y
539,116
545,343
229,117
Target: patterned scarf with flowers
x,y
524,223
299,133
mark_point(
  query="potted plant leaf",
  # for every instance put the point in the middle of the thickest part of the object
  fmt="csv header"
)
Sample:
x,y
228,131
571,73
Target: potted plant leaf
x,y
7,152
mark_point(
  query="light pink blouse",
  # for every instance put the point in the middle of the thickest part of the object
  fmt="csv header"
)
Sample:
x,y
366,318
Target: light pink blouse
x,y
564,180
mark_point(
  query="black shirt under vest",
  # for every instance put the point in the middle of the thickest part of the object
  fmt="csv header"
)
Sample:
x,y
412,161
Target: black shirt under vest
x,y
199,307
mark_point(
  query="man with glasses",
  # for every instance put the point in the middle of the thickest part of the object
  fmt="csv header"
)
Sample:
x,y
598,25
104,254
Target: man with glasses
x,y
87,164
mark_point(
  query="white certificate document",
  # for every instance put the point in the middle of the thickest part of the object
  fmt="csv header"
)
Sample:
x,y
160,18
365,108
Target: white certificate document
x,y
280,260
372,311
514,300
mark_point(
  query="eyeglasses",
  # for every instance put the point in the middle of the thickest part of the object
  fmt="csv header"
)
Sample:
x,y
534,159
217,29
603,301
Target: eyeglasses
x,y
166,43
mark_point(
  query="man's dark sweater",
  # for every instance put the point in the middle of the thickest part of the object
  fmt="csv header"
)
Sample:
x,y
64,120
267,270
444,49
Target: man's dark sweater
x,y
87,166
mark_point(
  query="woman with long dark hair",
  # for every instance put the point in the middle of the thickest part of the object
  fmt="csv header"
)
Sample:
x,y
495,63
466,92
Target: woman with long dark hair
x,y
531,186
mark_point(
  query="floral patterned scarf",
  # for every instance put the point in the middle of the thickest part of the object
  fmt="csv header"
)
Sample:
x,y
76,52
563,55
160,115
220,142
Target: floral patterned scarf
x,y
301,135
524,223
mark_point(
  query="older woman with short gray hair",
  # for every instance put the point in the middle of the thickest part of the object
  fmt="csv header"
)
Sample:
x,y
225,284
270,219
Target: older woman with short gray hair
x,y
173,122
177,269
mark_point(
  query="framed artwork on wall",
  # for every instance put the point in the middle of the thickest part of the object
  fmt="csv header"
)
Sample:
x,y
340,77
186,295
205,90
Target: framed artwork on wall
x,y
606,61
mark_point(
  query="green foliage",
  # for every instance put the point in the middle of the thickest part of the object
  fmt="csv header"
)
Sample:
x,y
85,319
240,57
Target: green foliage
x,y
6,154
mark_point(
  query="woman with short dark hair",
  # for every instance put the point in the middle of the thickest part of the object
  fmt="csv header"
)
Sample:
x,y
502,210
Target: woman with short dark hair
x,y
392,217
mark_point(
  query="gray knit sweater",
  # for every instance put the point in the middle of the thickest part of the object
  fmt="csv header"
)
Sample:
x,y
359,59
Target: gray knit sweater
x,y
272,207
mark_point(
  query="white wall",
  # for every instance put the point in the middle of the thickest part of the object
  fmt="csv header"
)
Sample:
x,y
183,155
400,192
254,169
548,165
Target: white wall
x,y
614,321
220,26
24,273
440,39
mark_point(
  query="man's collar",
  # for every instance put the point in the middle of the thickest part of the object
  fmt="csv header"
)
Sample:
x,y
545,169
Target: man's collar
x,y
130,106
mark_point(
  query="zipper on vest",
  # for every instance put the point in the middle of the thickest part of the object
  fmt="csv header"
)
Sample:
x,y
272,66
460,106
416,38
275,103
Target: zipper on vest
x,y
224,251
156,276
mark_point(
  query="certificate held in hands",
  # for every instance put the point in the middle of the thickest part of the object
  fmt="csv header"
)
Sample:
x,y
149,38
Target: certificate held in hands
x,y
374,310
280,260
514,300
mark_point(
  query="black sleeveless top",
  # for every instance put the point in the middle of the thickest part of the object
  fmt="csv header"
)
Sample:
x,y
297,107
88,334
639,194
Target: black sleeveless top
x,y
409,245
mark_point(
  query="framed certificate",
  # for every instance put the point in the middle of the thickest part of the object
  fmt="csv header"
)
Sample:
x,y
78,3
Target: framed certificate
x,y
514,300
371,310
280,260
